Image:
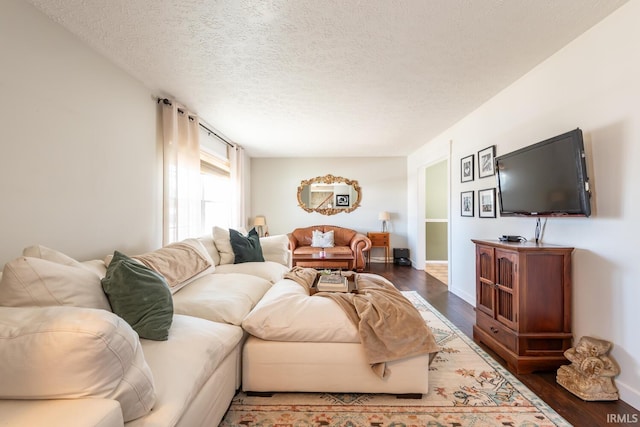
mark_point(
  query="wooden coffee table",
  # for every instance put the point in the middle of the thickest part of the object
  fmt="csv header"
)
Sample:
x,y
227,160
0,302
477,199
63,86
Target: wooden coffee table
x,y
329,260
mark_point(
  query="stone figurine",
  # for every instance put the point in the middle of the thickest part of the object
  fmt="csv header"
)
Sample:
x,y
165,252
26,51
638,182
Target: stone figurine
x,y
590,375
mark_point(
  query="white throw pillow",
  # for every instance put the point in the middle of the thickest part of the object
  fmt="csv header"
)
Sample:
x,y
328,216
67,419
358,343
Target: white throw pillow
x,y
276,249
39,282
70,353
322,240
222,241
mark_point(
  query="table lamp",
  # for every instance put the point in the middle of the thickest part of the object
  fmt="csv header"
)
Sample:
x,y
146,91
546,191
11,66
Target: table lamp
x,y
259,222
384,217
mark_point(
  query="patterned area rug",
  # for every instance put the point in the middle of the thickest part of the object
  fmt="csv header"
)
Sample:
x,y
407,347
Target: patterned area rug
x,y
467,388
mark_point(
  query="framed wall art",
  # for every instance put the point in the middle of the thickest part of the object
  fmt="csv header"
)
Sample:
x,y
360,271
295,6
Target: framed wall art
x,y
487,203
342,200
466,169
486,166
466,203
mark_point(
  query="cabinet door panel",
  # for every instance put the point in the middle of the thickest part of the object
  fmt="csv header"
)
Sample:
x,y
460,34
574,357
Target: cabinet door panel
x,y
506,288
485,287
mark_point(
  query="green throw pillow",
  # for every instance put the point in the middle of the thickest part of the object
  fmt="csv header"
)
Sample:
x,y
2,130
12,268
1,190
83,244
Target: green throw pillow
x,y
140,296
246,248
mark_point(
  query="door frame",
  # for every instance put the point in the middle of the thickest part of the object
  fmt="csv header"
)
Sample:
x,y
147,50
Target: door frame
x,y
421,223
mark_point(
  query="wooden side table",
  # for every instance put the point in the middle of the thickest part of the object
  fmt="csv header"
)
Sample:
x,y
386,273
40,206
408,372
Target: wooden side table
x,y
379,240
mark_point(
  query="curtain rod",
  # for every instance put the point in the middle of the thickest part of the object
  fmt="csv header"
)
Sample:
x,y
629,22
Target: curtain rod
x,y
166,101
217,136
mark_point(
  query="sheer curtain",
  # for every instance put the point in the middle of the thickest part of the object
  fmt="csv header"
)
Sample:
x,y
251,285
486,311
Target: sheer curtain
x,y
181,173
238,208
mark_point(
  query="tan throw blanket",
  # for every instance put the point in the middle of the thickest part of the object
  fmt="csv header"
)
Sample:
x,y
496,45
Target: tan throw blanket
x,y
303,276
390,327
177,262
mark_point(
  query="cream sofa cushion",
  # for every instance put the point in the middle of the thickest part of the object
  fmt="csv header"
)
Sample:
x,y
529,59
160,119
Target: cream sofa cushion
x,y
39,282
70,353
269,270
182,365
288,313
61,413
224,298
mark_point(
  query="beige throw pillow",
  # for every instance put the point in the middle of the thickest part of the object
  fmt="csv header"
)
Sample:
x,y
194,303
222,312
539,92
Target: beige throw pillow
x,y
28,281
43,252
210,246
222,240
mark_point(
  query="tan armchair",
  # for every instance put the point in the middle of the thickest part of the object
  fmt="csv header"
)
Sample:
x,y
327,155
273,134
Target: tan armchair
x,y
345,239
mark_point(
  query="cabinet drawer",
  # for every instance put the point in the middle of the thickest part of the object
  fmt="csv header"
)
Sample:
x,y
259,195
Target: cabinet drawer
x,y
379,239
499,332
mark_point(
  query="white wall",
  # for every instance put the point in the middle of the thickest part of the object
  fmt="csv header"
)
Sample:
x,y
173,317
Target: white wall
x,y
79,167
592,84
275,181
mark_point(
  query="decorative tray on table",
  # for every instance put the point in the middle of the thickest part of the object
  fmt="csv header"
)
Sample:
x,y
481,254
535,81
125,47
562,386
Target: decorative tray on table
x,y
333,281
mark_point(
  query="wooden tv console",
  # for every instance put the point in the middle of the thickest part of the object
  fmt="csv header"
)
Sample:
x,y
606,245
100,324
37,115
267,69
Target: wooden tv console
x,y
523,303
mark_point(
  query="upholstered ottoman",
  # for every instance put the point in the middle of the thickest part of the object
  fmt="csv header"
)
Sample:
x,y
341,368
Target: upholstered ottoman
x,y
304,343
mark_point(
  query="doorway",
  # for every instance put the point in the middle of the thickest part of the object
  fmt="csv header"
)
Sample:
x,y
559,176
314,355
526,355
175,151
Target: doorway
x,y
437,220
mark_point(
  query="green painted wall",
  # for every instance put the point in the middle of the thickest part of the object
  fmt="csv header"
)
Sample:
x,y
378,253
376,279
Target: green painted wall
x,y
436,243
436,189
436,207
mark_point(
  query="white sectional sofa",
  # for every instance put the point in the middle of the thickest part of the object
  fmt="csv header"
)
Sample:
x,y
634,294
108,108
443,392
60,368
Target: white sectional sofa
x,y
92,344
67,360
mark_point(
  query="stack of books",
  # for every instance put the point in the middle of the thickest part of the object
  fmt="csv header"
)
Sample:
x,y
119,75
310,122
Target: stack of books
x,y
332,283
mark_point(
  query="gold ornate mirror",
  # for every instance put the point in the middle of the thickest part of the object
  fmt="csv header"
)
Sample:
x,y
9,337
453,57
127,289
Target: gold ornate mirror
x,y
329,195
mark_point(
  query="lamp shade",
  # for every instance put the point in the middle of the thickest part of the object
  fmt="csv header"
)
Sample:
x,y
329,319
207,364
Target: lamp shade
x,y
384,216
260,220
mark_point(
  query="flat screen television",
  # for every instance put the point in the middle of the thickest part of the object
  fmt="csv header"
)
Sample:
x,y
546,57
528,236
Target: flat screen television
x,y
545,179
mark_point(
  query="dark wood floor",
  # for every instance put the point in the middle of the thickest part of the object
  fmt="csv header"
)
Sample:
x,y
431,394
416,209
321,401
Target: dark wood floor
x,y
460,313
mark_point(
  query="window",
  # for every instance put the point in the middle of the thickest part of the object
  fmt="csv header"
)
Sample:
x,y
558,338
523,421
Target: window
x,y
215,181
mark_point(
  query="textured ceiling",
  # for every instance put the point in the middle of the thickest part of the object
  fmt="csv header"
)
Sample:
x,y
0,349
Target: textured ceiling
x,y
332,77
